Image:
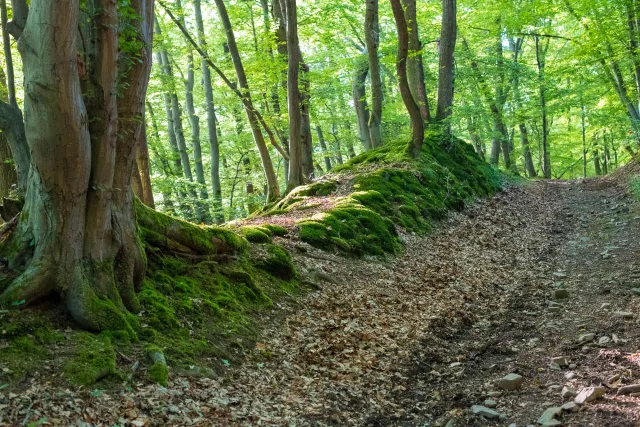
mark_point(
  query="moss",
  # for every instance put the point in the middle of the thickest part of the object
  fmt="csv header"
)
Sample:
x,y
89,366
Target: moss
x,y
204,238
256,234
402,191
158,372
278,263
276,230
94,358
319,188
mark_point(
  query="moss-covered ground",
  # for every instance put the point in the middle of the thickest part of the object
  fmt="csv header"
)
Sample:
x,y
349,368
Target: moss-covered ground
x,y
387,188
202,311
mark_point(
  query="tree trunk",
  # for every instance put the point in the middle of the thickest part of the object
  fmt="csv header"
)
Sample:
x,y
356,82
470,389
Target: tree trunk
x,y
273,188
417,124
14,145
360,101
214,144
372,39
415,67
540,60
529,167
448,35
334,133
596,162
161,155
323,146
77,235
296,173
142,170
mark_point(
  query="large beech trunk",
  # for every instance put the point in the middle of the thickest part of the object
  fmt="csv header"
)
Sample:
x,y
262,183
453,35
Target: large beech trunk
x,y
77,234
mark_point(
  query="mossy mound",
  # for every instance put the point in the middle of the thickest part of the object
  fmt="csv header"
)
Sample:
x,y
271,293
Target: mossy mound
x,y
277,262
391,188
94,358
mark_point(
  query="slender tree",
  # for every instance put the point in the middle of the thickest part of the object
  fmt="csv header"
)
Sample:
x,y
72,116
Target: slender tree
x,y
212,131
372,39
417,124
273,188
448,36
415,67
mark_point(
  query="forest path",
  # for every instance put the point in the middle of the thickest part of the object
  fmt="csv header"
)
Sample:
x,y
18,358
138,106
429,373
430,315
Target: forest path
x,y
419,339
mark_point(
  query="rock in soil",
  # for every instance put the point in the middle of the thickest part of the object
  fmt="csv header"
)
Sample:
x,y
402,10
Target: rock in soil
x,y
486,412
589,394
510,382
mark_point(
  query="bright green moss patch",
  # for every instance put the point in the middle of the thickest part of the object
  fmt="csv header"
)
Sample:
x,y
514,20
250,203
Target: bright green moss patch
x,y
401,191
256,234
94,358
278,263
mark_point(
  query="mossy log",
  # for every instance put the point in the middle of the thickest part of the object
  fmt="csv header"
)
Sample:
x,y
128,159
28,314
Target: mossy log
x,y
184,237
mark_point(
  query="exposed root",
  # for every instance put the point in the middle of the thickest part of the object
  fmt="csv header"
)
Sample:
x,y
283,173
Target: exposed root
x,y
36,282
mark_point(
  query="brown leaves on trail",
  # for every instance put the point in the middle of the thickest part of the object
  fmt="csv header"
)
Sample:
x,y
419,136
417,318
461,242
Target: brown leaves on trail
x,y
350,353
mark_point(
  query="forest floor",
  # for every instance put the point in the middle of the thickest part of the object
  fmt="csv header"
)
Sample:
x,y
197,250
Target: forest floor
x,y
420,339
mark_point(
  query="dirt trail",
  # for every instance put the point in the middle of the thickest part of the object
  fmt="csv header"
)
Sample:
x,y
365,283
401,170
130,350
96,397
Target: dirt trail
x,y
420,339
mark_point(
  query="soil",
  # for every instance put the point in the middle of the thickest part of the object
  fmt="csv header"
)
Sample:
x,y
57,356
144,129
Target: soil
x,y
418,339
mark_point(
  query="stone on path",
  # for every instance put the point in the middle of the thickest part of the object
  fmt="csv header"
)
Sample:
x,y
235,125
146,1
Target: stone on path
x,y
548,417
589,394
485,412
567,392
583,338
494,394
635,291
560,360
623,314
570,407
628,389
490,403
604,340
510,382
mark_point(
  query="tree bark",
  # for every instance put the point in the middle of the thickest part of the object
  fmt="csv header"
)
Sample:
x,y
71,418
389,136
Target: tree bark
x,y
273,188
417,124
143,170
415,67
372,39
296,173
448,36
77,234
360,101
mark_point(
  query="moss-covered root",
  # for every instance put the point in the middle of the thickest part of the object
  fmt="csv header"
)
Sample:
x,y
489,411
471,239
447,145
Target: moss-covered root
x,y
157,372
93,360
162,230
